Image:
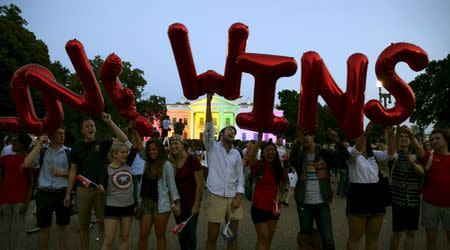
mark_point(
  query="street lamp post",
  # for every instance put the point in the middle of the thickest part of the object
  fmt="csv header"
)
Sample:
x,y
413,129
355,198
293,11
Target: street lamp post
x,y
385,98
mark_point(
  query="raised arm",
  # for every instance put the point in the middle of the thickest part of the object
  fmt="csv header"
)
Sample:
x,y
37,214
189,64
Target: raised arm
x,y
209,97
390,142
360,142
136,140
118,133
29,160
208,135
418,148
253,152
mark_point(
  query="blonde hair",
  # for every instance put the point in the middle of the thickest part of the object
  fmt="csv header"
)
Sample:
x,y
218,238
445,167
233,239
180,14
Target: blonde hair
x,y
115,147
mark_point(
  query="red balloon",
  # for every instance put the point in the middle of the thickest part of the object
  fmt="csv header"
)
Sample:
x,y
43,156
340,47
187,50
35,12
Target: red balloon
x,y
266,69
10,124
24,106
405,100
346,107
91,102
195,85
122,98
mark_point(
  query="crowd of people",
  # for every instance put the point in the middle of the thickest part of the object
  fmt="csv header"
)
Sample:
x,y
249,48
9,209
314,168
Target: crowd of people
x,y
122,180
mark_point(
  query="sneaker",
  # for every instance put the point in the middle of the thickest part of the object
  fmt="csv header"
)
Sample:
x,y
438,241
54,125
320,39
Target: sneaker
x,y
284,204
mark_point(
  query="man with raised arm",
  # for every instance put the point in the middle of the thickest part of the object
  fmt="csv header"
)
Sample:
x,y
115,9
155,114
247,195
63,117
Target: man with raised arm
x,y
224,182
89,159
52,160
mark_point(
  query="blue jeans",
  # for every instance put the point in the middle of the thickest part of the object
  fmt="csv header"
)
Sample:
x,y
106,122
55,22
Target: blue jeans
x,y
321,214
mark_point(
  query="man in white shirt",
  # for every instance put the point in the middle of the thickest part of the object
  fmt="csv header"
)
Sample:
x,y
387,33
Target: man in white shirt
x,y
165,125
224,182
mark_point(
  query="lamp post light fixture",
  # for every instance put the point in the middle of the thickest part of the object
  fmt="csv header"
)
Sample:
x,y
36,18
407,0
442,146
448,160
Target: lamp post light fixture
x,y
385,98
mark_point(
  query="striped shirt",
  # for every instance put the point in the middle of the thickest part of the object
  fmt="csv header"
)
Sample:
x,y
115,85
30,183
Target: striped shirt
x,y
312,193
404,182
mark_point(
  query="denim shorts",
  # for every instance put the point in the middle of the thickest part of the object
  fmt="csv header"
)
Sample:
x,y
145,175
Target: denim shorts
x,y
150,207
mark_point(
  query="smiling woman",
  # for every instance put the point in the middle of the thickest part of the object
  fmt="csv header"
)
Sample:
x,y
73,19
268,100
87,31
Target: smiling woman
x,y
189,180
119,197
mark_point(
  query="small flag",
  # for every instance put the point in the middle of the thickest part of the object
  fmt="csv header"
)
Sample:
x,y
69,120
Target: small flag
x,y
228,232
85,181
177,229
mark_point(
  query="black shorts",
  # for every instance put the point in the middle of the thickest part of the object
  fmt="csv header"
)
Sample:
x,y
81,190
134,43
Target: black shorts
x,y
365,200
47,202
405,218
259,216
112,212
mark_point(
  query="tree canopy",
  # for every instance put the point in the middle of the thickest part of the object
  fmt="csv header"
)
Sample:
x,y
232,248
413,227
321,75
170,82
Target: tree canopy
x,y
432,90
19,46
289,100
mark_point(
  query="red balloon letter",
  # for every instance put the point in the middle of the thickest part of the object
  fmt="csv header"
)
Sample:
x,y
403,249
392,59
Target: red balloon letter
x,y
266,69
91,102
24,106
347,108
195,85
122,98
405,100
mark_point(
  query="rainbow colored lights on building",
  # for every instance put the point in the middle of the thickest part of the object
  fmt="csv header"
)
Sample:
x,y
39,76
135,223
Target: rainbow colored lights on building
x,y
224,113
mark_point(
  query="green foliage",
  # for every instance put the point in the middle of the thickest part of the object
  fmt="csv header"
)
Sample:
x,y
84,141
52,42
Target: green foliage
x,y
153,106
12,13
130,78
18,47
432,90
289,105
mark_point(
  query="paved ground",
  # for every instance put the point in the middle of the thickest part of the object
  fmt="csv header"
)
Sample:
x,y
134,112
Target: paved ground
x,y
284,237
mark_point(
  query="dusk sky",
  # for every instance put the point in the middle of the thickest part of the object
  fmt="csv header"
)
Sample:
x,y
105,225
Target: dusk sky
x,y
137,32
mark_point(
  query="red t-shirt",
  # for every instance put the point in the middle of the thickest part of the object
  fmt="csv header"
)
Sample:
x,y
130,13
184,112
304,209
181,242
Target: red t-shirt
x,y
16,179
266,187
185,180
437,186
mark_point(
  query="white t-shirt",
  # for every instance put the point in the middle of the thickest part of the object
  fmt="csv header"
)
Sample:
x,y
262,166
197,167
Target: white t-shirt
x,y
362,170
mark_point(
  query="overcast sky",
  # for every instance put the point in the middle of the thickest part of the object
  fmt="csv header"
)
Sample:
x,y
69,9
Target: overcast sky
x,y
137,32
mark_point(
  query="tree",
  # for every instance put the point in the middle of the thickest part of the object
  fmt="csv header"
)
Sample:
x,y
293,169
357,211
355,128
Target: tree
x,y
130,78
18,47
289,100
432,90
289,105
152,107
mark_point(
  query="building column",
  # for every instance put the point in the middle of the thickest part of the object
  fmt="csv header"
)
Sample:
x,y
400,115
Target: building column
x,y
192,125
